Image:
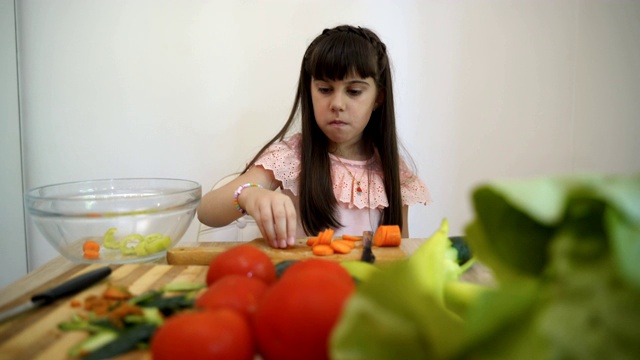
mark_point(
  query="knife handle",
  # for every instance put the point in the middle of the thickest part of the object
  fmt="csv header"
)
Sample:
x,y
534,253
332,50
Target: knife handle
x,y
72,286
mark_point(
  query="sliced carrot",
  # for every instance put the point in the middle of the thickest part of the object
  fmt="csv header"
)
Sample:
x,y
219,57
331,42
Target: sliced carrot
x,y
387,236
351,237
394,236
325,237
114,292
76,303
91,254
349,243
340,247
322,250
90,245
378,237
312,240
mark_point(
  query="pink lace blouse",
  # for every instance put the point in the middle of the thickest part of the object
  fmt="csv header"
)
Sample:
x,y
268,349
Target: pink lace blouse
x,y
357,185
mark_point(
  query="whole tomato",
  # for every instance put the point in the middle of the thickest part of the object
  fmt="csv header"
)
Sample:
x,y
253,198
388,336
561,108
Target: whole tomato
x,y
245,260
296,315
303,267
207,334
235,291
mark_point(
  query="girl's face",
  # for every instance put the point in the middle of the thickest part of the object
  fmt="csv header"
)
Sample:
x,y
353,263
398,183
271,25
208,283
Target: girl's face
x,y
342,108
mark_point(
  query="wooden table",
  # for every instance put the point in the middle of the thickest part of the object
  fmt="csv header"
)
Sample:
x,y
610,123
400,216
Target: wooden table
x,y
34,335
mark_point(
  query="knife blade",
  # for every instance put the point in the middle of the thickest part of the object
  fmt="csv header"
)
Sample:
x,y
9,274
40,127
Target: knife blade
x,y
69,287
367,253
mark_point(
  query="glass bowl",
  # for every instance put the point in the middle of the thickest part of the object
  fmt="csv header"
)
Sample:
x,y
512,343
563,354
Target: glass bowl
x,y
114,221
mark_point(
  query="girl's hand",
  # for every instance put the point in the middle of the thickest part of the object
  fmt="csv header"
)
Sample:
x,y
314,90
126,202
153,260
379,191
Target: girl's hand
x,y
274,214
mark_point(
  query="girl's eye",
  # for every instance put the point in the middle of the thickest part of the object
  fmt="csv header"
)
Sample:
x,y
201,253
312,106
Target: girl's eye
x,y
354,92
324,89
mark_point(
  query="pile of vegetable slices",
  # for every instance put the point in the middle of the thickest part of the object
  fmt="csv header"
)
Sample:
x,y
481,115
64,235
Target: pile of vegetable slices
x,y
118,322
324,244
130,245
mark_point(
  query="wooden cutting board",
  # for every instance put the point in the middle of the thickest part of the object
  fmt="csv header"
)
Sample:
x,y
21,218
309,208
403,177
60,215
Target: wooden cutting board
x,y
34,335
205,252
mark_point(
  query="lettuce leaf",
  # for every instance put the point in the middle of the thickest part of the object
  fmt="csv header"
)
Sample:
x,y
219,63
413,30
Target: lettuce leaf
x,y
578,240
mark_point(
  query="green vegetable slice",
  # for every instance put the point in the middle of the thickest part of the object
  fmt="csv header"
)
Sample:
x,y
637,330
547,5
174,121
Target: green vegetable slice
x,y
156,242
109,241
127,341
129,245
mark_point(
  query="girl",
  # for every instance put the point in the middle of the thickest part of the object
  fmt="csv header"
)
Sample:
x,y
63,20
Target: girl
x,y
343,169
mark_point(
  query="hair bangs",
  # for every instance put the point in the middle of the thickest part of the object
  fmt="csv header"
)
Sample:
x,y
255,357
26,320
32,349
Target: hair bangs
x,y
342,55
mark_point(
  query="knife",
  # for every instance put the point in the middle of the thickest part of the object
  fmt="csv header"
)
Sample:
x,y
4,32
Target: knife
x,y
367,253
67,288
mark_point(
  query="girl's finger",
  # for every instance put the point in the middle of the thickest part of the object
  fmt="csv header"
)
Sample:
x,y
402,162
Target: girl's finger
x,y
292,221
265,223
280,223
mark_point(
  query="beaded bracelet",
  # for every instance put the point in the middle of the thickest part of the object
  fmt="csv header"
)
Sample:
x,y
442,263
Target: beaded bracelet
x,y
237,193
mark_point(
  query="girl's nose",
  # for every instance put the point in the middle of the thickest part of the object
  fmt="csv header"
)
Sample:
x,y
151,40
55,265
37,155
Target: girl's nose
x,y
337,103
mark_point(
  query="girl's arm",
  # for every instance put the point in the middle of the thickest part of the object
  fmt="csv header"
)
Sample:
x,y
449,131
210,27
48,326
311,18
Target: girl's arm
x,y
405,221
273,212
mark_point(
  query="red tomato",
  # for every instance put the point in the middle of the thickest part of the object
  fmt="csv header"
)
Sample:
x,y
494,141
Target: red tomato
x,y
235,291
245,260
207,334
297,314
318,265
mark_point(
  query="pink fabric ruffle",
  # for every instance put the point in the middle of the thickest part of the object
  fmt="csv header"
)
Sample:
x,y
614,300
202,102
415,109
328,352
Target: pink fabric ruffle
x,y
283,158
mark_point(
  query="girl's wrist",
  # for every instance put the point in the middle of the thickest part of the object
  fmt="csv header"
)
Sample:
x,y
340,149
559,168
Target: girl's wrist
x,y
237,193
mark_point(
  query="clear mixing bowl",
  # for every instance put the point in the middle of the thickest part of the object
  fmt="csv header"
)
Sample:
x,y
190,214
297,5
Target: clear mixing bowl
x,y
114,221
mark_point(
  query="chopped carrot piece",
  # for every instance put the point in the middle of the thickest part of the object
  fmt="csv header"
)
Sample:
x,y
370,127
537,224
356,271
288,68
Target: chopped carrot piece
x,y
91,249
351,237
312,240
387,235
76,303
378,237
322,250
349,243
90,245
114,292
325,237
394,236
340,247
91,254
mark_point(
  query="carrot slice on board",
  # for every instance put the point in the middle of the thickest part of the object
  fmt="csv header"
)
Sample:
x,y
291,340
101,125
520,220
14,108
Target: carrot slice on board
x,y
349,243
312,240
325,237
351,237
378,237
322,250
387,236
340,247
116,292
394,236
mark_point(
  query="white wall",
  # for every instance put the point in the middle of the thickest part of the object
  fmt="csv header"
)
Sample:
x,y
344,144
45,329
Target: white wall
x,y
191,89
13,250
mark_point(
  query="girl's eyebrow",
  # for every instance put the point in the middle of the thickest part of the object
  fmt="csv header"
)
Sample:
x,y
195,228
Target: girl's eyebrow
x,y
350,81
357,81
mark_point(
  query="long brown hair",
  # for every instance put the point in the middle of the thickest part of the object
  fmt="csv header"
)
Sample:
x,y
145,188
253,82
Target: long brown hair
x,y
333,55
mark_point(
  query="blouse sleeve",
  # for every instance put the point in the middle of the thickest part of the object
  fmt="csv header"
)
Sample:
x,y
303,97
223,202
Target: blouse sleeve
x,y
283,159
413,190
